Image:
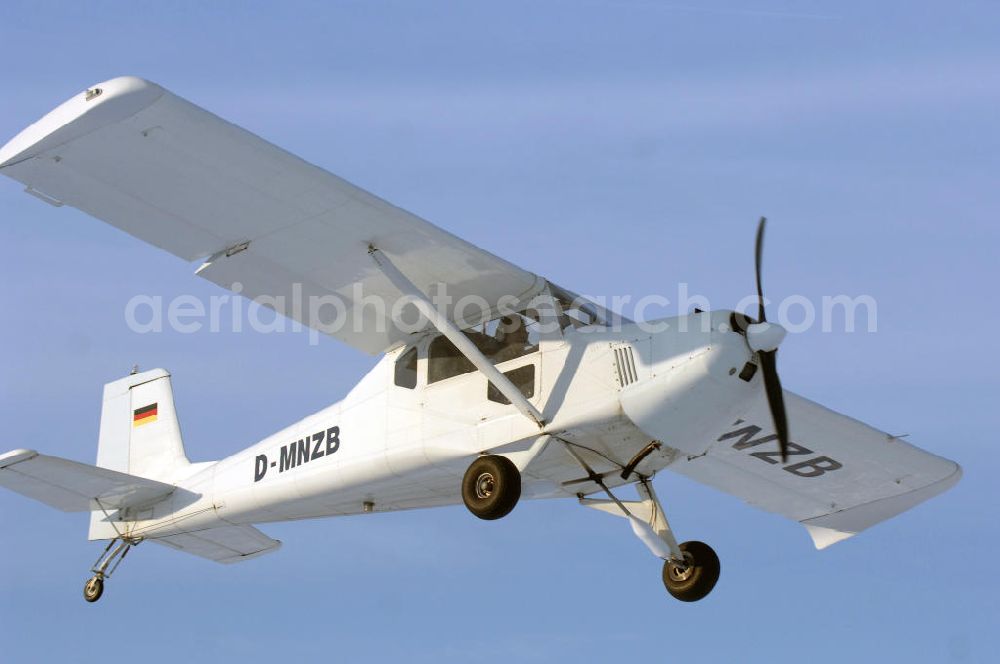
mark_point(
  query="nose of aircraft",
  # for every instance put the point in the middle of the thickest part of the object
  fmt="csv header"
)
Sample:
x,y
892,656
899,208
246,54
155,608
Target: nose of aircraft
x,y
694,387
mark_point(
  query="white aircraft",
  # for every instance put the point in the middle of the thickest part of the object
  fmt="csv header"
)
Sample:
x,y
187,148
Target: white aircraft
x,y
538,394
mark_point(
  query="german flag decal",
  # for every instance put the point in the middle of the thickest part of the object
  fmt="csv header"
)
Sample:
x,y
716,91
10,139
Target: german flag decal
x,y
144,415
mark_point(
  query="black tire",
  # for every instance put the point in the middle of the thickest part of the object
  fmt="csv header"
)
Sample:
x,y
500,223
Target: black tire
x,y
491,487
691,583
93,589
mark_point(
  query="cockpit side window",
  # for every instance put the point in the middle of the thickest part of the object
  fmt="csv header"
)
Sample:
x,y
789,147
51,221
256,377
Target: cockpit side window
x,y
500,340
573,314
523,379
515,335
406,369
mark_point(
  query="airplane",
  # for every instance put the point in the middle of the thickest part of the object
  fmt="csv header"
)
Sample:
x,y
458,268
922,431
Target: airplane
x,y
537,393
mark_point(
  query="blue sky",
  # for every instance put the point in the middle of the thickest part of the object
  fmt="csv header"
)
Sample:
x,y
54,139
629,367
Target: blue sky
x,y
617,148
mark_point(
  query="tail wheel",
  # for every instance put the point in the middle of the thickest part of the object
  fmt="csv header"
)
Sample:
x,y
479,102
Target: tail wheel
x,y
93,589
491,487
695,579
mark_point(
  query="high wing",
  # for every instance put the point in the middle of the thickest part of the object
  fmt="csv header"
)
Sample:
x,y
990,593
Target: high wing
x,y
225,544
168,172
842,476
71,486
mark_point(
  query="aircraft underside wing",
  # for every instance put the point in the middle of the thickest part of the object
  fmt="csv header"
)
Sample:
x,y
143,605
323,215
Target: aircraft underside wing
x,y
841,475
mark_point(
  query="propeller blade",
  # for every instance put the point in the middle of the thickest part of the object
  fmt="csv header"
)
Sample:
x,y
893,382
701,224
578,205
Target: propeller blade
x,y
759,340
775,398
759,256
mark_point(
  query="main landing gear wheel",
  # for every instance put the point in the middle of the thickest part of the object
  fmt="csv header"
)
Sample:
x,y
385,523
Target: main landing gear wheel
x,y
491,487
695,580
93,589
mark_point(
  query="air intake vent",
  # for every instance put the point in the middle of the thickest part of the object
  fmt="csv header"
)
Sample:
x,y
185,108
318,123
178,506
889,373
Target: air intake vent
x,y
625,363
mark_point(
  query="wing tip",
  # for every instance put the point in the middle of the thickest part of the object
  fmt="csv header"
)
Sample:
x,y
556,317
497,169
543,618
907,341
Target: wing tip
x,y
828,529
953,478
16,456
97,106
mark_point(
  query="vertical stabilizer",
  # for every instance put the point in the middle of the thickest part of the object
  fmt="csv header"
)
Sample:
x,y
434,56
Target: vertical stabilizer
x,y
139,433
139,430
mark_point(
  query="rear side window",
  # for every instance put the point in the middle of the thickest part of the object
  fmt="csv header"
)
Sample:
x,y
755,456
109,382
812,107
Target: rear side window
x,y
445,361
406,369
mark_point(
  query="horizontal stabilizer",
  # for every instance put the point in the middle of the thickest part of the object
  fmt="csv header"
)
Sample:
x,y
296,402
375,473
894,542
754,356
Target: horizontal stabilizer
x,y
71,486
226,544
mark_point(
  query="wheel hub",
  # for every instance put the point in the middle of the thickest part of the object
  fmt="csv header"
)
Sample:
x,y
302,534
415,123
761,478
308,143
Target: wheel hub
x,y
681,571
485,484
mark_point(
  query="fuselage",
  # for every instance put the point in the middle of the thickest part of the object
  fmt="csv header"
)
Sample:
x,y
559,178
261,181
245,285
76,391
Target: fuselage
x,y
398,441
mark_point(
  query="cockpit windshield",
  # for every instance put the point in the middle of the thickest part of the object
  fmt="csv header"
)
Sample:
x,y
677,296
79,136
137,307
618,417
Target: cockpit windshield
x,y
576,311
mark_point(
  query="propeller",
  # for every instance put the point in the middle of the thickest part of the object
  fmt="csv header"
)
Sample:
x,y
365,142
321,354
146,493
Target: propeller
x,y
764,338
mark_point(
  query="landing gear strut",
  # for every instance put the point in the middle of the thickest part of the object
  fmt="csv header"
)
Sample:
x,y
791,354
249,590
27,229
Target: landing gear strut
x,y
491,487
113,555
691,569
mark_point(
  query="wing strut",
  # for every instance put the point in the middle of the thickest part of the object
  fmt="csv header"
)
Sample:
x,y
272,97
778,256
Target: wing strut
x,y
455,335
